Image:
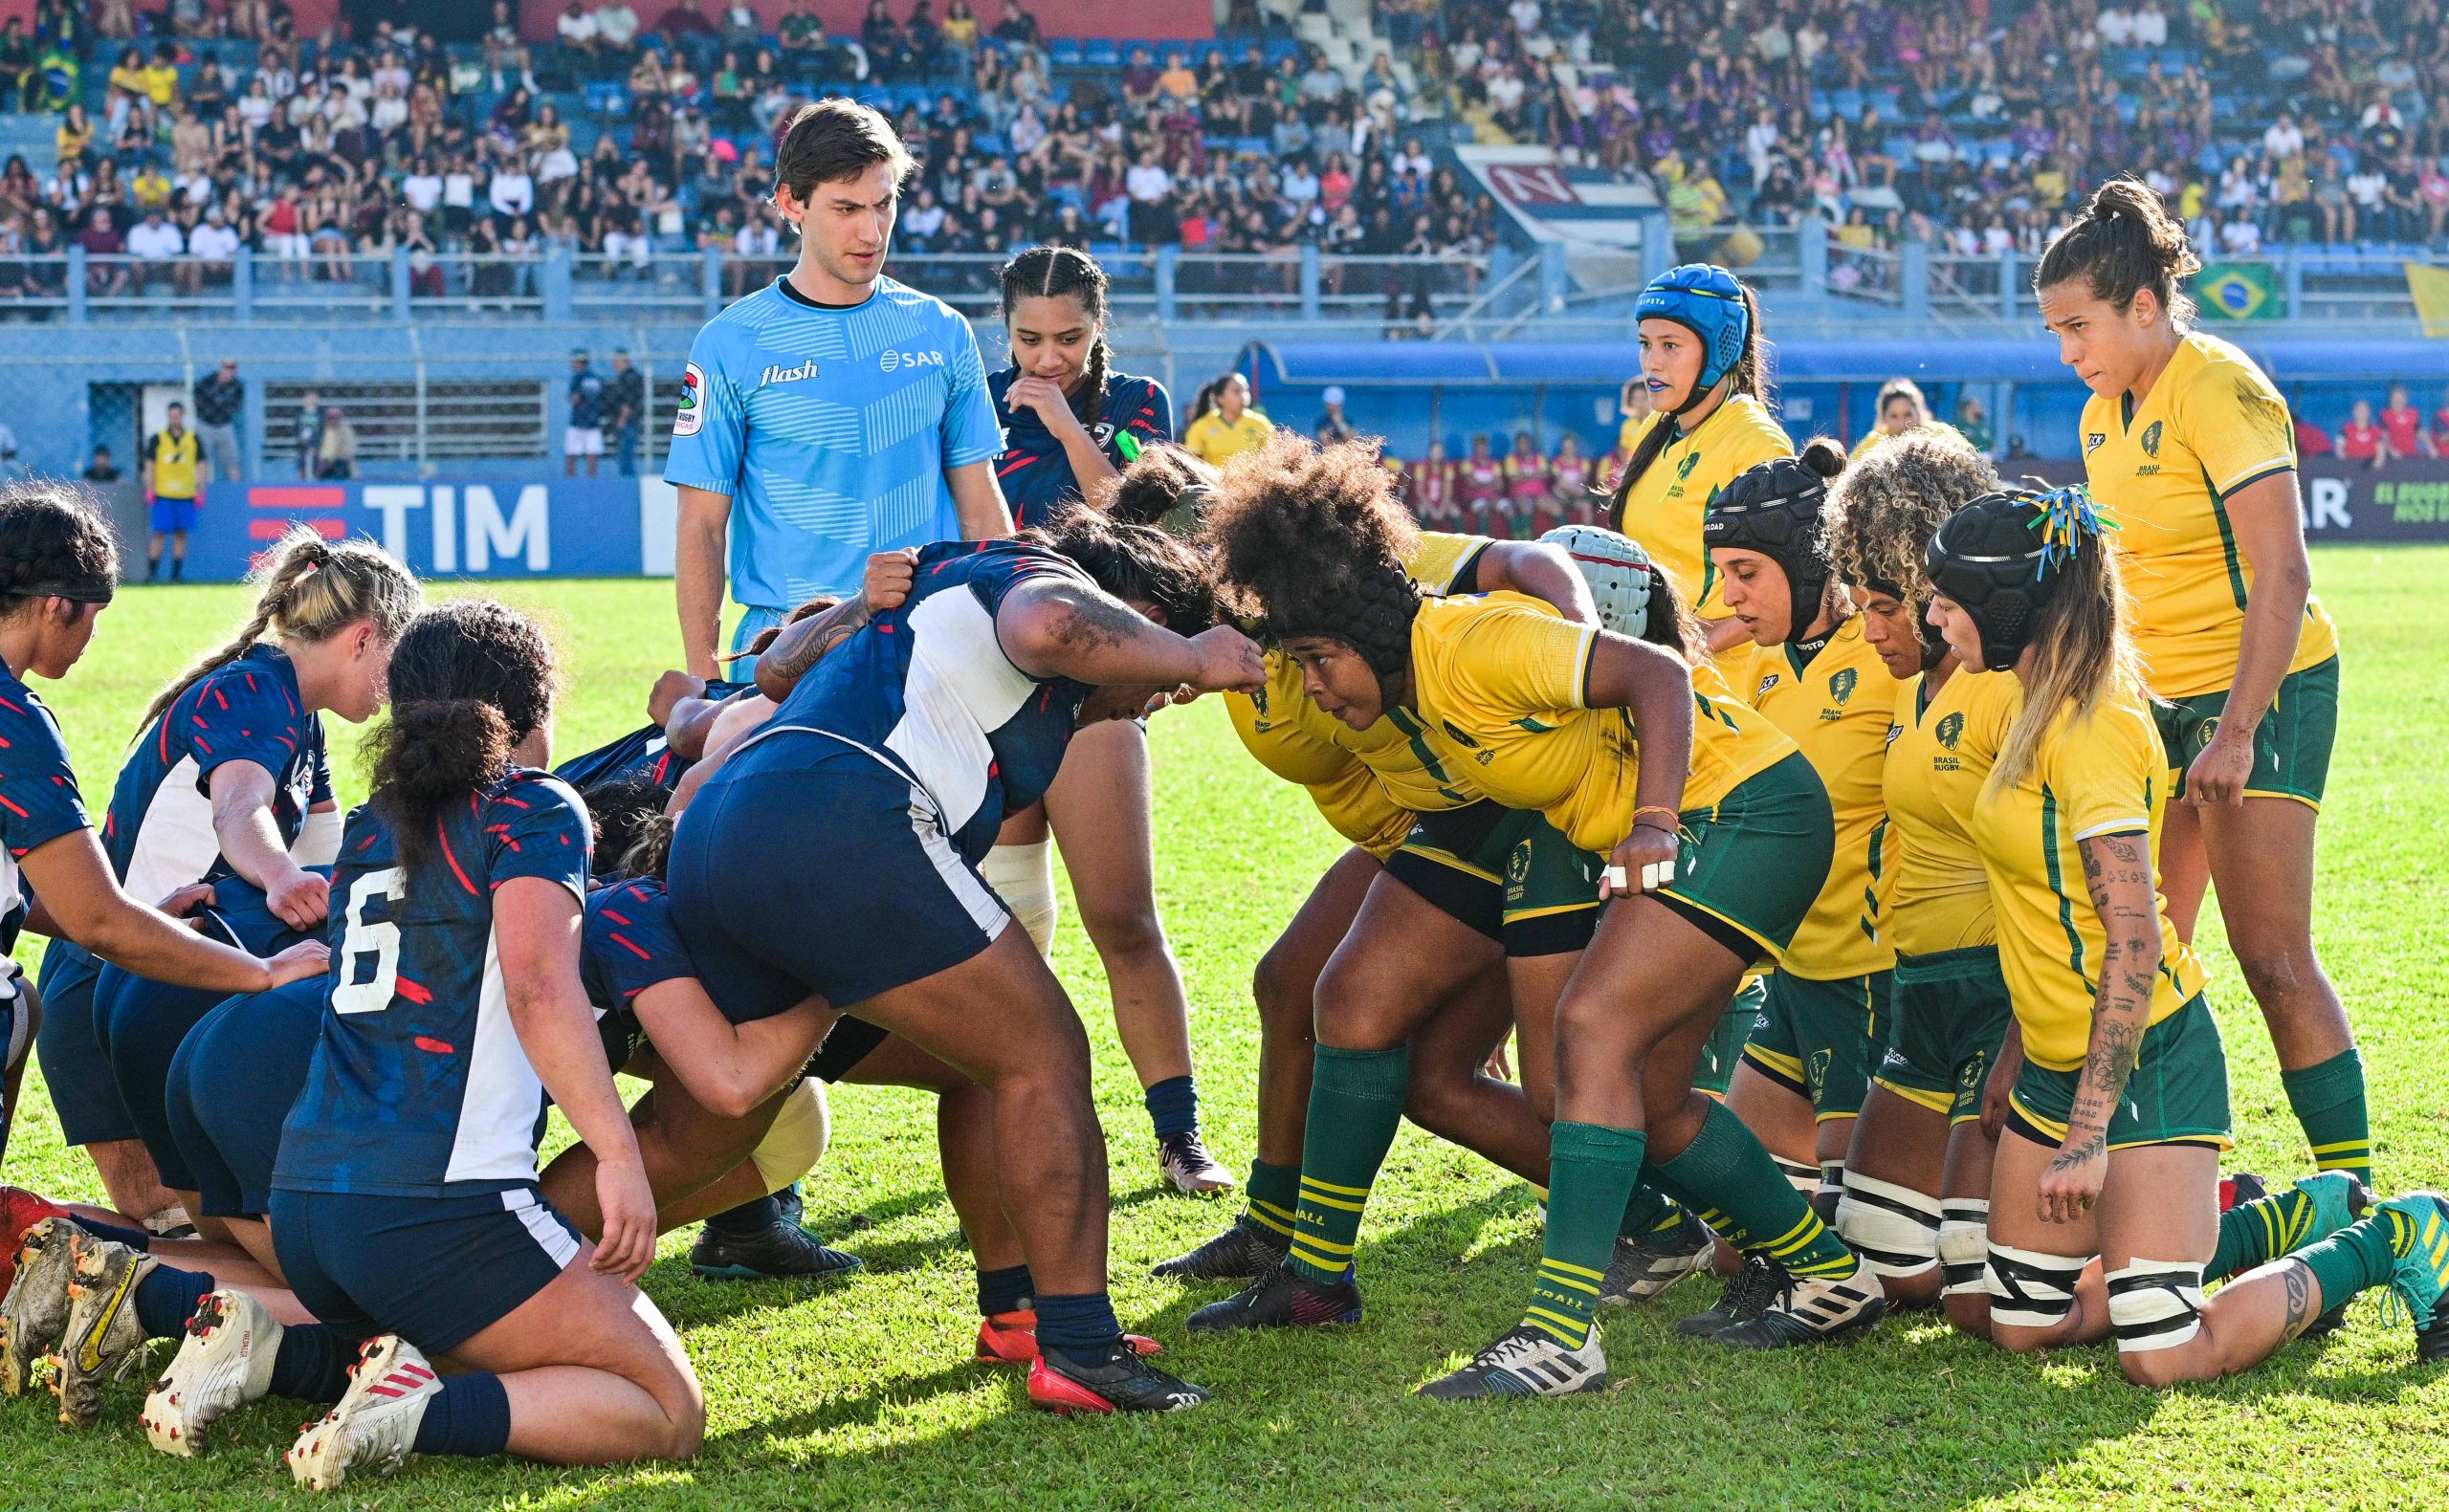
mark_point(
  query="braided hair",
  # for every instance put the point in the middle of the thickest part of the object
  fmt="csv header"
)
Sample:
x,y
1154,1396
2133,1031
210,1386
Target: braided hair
x,y
1136,563
1052,273
1311,540
310,590
469,680
54,543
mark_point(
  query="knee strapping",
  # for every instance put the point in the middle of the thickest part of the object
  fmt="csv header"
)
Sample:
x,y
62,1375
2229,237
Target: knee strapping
x,y
1964,1245
2154,1304
2029,1289
1023,876
1803,1178
1893,1228
791,1149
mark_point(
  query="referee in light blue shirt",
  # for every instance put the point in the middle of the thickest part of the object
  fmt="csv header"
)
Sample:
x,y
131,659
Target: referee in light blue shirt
x,y
833,414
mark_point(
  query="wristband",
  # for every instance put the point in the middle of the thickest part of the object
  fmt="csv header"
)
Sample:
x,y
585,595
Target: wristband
x,y
1674,821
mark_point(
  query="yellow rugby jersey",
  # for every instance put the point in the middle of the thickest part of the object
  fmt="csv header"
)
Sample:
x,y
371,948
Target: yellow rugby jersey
x,y
175,460
1499,684
1664,509
1211,438
2165,468
1839,711
1937,897
2107,776
1368,783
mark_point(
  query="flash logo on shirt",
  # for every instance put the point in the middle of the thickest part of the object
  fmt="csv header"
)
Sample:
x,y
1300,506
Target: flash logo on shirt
x,y
787,375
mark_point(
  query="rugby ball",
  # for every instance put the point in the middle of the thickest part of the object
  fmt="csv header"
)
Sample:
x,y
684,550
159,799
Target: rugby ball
x,y
1617,570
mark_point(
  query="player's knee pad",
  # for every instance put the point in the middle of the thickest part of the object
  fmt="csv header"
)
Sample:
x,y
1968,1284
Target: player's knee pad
x,y
2029,1289
1964,1245
791,1149
1023,876
2154,1304
1893,1228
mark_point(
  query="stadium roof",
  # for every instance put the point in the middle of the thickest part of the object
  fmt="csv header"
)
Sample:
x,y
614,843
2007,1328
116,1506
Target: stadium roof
x,y
1816,360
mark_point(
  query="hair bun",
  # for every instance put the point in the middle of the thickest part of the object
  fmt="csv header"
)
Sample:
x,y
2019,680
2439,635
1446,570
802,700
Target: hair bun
x,y
1823,456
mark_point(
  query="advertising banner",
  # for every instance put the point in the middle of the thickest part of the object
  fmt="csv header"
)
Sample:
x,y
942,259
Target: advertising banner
x,y
2406,500
559,528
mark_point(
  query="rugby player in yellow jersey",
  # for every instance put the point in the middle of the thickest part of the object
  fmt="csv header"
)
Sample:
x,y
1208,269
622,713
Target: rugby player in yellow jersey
x,y
2191,448
2119,1106
1700,339
1713,845
1369,785
1917,1176
1812,675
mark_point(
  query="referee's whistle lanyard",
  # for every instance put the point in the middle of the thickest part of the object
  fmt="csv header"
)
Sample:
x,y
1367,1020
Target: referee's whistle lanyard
x,y
890,762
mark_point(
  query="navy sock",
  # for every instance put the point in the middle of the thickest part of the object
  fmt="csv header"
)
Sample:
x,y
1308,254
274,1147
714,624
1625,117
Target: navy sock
x,y
468,1416
1173,1106
166,1300
137,1240
1005,1290
1083,1322
312,1365
748,1219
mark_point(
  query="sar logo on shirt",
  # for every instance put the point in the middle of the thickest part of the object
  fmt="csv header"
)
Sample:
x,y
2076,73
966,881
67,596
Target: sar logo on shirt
x,y
891,359
691,416
1951,731
1840,685
2151,440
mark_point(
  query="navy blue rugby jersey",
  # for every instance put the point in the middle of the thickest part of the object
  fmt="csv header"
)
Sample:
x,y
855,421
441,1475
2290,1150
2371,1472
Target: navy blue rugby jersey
x,y
419,1086
928,686
159,827
38,798
642,756
1036,474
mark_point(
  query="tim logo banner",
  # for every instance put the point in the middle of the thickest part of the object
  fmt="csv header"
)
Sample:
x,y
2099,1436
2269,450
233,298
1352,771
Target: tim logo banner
x,y
566,528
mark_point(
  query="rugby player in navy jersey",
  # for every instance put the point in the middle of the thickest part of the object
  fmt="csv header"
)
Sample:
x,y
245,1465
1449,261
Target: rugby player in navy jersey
x,y
1071,424
221,780
868,802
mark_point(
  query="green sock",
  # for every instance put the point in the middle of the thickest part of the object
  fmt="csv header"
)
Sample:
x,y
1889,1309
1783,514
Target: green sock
x,y
1592,1170
2361,1255
1356,1105
1272,1192
2328,1102
1650,1211
2255,1232
1729,1181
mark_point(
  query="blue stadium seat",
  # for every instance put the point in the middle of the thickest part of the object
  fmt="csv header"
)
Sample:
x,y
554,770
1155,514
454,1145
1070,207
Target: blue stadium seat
x,y
1101,52
1063,51
1847,102
606,98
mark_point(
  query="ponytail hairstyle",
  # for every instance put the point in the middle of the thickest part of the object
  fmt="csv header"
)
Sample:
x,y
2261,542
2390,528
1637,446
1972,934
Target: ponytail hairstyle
x,y
470,679
1163,479
1136,563
1311,540
1050,272
2081,655
1204,401
1750,375
2124,242
54,543
310,590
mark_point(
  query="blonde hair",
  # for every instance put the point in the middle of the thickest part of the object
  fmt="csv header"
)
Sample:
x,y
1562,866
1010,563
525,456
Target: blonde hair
x,y
2081,656
310,590
1883,511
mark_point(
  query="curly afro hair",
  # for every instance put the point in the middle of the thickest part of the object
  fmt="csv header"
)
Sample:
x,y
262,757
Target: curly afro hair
x,y
1883,511
1311,540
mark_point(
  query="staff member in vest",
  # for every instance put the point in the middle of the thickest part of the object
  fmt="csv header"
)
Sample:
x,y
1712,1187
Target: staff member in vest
x,y
2188,444
175,478
832,414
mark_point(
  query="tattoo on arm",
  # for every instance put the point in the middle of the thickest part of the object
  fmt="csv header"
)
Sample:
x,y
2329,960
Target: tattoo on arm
x,y
2116,868
801,645
1094,622
2300,1310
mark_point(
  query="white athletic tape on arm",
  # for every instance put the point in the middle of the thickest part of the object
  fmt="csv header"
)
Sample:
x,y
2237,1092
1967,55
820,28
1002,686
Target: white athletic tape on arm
x,y
2154,1304
2029,1289
1023,876
1893,1228
791,1149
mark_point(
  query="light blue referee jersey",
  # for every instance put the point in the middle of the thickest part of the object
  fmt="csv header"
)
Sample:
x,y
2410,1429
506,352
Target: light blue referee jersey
x,y
830,428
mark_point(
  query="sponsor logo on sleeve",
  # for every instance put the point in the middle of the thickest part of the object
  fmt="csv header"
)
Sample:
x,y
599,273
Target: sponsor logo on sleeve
x,y
691,416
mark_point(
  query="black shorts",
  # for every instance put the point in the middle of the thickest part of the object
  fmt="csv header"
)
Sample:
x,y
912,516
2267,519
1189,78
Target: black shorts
x,y
849,1041
75,1071
834,877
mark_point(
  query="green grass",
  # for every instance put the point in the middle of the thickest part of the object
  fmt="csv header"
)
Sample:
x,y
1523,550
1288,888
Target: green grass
x,y
861,1394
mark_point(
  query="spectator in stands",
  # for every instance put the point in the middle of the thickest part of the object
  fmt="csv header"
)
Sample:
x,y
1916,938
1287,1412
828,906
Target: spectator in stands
x,y
2402,426
2311,439
1332,425
1571,474
1016,28
306,439
1223,422
212,247
156,244
625,408
2362,441
1901,408
102,469
580,36
1429,489
686,28
583,437
1479,489
219,399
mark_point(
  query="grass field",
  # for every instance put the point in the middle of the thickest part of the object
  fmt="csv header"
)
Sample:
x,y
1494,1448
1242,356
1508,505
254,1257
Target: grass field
x,y
861,1394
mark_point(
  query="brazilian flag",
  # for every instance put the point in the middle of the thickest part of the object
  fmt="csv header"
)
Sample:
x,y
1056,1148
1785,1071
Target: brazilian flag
x,y
2240,291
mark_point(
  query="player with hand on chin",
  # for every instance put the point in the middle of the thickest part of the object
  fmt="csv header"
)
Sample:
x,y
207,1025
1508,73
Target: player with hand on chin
x,y
907,745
